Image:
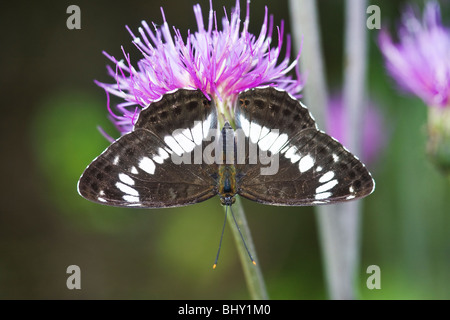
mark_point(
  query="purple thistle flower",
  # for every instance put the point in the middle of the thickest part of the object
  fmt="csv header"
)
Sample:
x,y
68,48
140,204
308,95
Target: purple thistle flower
x,y
220,63
373,137
420,62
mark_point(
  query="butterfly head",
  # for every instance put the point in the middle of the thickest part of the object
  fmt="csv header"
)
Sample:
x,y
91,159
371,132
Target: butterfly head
x,y
227,200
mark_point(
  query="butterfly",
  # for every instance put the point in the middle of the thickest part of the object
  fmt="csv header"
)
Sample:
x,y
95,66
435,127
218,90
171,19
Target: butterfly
x,y
137,170
178,155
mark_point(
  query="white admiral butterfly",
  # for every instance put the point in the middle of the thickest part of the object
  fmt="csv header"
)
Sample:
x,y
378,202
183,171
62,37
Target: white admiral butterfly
x,y
138,168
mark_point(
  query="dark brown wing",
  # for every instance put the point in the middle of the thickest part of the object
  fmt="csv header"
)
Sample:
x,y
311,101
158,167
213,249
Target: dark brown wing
x,y
145,167
308,166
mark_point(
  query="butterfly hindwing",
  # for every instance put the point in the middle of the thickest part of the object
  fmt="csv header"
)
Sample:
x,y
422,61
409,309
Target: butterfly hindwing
x,y
313,168
138,168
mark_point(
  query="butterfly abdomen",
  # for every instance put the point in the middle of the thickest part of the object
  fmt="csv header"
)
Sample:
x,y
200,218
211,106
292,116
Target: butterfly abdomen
x,y
227,184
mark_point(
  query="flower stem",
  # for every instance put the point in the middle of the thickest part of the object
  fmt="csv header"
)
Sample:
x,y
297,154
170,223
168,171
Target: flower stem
x,y
304,13
438,144
252,273
338,224
355,61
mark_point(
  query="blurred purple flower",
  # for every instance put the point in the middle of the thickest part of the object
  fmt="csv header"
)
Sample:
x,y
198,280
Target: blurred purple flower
x,y
373,132
220,63
420,61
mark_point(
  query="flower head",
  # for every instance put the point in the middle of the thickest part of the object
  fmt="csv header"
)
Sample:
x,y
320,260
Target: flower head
x,y
373,137
420,62
219,62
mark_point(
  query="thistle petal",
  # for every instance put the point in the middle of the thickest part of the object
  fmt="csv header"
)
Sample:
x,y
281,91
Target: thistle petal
x,y
221,63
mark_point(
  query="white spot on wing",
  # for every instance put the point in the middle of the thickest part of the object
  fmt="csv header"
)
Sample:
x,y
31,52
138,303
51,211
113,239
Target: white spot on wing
x,y
172,143
207,126
266,142
326,177
245,125
306,163
327,186
292,154
129,198
127,189
188,134
158,159
147,165
264,132
197,134
116,160
278,144
134,170
255,131
163,153
285,149
295,158
126,179
335,157
323,195
184,142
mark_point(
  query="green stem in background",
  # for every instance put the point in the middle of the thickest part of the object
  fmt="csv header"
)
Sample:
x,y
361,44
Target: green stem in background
x,y
252,273
355,61
338,224
306,32
438,144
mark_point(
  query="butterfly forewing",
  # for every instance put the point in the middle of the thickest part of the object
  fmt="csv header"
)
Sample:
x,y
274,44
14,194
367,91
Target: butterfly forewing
x,y
313,168
138,168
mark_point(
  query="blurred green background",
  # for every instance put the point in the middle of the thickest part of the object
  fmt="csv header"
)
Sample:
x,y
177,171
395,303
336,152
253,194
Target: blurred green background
x,y
50,112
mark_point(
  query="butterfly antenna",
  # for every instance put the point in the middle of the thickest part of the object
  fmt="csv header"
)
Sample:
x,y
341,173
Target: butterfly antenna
x,y
245,245
221,237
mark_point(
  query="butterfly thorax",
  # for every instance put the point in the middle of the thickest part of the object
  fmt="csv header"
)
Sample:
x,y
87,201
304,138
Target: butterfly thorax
x,y
227,184
227,170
